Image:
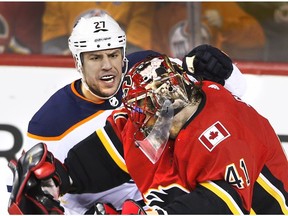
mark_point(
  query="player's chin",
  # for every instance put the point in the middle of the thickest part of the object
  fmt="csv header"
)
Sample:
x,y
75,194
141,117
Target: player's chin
x,y
108,92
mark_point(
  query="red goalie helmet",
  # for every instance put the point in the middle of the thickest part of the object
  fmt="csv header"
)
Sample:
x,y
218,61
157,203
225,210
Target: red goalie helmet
x,y
153,90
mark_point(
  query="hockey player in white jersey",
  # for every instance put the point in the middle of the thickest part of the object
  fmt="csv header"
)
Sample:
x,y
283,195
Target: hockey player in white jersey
x,y
98,46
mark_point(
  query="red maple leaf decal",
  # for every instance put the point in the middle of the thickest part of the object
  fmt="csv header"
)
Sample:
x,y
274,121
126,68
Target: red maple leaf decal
x,y
213,135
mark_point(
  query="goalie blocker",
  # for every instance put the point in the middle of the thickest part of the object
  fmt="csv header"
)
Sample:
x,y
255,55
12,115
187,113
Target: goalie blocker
x,y
36,183
39,179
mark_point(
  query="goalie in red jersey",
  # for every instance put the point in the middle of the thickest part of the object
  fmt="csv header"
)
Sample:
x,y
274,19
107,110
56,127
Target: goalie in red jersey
x,y
191,148
197,149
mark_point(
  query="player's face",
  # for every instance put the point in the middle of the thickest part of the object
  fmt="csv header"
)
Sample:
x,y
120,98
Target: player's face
x,y
103,70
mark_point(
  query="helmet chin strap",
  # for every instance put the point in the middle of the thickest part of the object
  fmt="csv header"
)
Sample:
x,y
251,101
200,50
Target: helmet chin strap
x,y
125,60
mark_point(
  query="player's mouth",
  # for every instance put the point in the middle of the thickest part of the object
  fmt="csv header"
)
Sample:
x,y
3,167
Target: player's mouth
x,y
108,78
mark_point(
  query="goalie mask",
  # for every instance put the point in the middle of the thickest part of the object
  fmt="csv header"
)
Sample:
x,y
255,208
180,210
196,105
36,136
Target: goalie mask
x,y
154,90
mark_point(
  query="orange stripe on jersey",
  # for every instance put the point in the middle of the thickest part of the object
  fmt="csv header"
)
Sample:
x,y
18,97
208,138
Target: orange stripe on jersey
x,y
111,149
82,97
56,138
226,197
273,191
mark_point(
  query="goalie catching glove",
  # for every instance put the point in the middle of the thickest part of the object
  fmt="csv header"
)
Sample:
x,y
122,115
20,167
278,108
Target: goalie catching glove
x,y
102,209
206,62
38,180
131,207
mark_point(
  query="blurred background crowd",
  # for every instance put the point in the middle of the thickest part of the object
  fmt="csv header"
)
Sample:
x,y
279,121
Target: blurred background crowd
x,y
252,31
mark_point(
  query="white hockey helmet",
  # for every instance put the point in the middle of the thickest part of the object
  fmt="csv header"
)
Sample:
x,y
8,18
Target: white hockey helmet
x,y
95,33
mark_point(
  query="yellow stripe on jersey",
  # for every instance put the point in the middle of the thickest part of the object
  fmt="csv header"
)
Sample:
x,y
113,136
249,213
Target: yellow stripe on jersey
x,y
252,212
273,191
111,149
226,197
